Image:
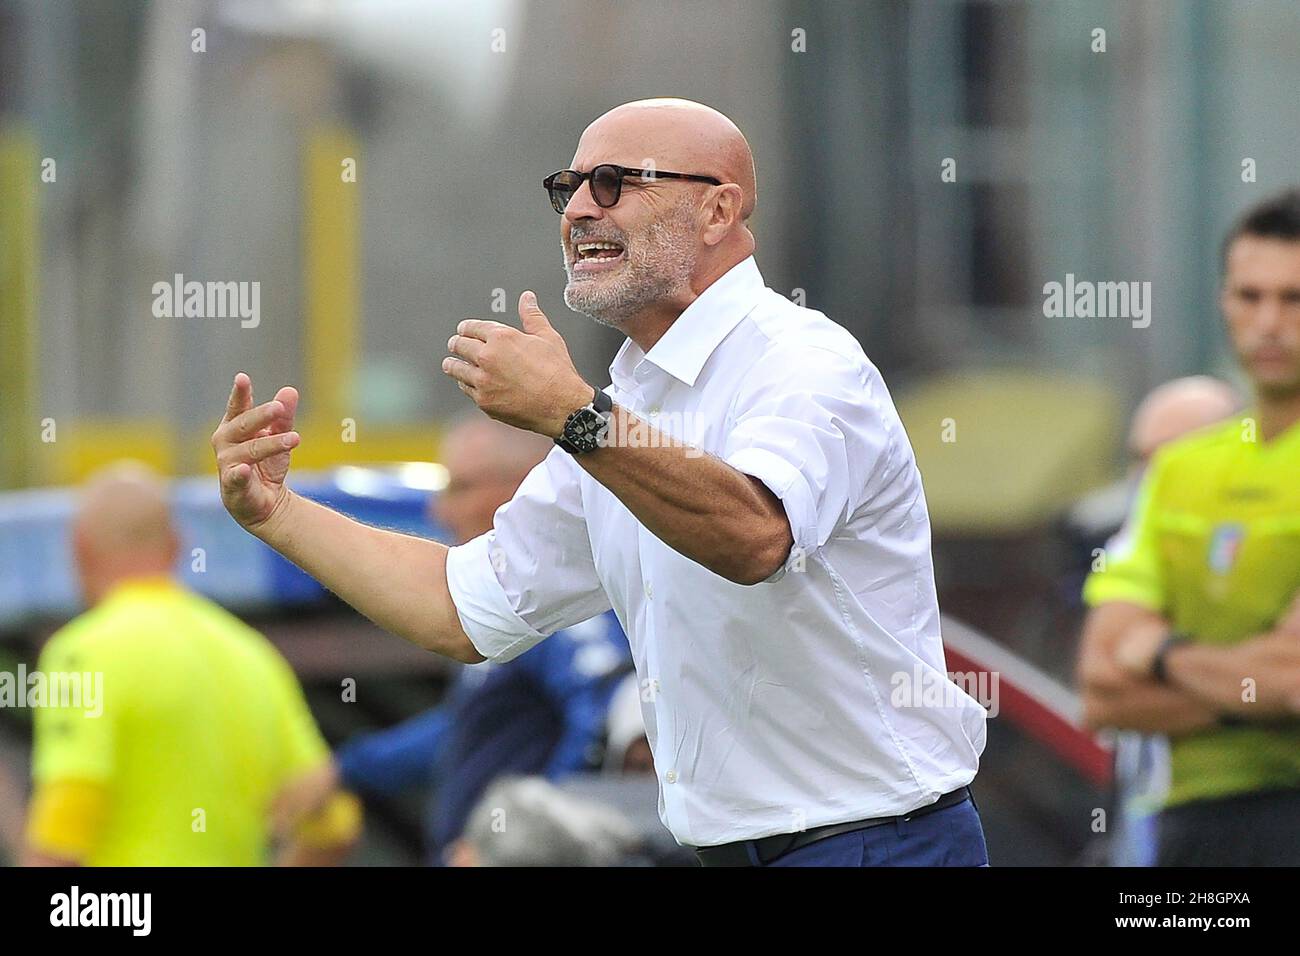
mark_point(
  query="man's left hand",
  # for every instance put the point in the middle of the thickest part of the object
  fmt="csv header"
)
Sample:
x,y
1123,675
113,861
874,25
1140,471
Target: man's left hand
x,y
522,377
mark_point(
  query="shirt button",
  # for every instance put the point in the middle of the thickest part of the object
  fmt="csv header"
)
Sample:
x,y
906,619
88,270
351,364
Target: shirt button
x,y
671,776
649,591
654,411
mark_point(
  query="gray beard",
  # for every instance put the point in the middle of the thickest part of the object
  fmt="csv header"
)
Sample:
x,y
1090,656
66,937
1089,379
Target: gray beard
x,y
616,303
660,270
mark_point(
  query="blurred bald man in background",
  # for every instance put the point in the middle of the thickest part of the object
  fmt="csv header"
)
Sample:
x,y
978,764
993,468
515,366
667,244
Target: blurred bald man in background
x,y
1169,411
200,725
1178,408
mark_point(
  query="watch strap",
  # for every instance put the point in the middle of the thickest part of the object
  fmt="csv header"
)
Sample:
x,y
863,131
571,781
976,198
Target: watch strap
x,y
1159,663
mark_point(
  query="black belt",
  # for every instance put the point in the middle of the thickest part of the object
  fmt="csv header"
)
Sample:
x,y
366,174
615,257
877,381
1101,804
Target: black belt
x,y
767,849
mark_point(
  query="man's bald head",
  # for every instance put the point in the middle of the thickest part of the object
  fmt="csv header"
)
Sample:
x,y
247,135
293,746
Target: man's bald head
x,y
123,528
678,135
481,443
485,460
1178,407
639,263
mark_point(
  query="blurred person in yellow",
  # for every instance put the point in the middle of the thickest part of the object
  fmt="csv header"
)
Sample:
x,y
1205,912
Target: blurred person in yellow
x,y
1195,627
1170,411
201,724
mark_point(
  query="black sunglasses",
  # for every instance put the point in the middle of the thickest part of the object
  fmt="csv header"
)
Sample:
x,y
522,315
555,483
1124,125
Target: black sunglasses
x,y
606,183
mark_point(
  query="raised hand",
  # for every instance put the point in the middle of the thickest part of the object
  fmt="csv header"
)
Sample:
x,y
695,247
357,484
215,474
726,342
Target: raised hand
x,y
523,377
252,445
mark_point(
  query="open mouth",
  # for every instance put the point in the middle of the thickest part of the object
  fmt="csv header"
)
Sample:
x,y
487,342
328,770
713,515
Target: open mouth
x,y
597,254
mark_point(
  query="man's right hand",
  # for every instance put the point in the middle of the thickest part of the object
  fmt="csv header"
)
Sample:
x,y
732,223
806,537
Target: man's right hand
x,y
252,446
399,581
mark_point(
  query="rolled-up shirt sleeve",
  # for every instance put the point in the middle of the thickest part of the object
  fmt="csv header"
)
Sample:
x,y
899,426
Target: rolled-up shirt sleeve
x,y
810,430
533,573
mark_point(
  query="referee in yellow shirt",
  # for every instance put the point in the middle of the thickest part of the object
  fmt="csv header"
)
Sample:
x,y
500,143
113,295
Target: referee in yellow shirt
x,y
1195,624
190,727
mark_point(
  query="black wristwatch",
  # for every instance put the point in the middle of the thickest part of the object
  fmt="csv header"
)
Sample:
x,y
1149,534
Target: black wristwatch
x,y
584,429
1158,662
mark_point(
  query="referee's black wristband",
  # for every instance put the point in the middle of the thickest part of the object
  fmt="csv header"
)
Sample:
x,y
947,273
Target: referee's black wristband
x,y
1159,661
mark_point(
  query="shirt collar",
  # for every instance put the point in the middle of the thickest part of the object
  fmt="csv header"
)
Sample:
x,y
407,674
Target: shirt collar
x,y
698,331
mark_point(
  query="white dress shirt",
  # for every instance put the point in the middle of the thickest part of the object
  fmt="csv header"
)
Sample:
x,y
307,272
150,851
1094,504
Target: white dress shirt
x,y
784,705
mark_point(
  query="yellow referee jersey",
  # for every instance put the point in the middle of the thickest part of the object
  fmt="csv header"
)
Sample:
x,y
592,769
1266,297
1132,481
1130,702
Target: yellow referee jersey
x,y
201,722
1213,545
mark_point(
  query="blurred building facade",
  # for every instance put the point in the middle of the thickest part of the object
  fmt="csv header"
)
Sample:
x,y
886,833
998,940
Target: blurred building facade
x,y
225,164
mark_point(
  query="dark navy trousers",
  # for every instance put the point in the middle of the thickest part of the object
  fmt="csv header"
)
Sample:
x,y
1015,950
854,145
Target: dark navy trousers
x,y
953,836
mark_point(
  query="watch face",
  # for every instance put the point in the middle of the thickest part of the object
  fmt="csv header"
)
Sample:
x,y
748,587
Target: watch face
x,y
584,428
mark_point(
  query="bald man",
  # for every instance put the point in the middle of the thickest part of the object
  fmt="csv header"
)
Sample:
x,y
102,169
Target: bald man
x,y
1178,408
1169,411
201,725
742,494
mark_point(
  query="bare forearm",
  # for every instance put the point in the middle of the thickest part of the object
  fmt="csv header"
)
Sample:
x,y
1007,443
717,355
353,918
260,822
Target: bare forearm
x,y
695,503
1114,697
398,581
1146,707
1257,678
